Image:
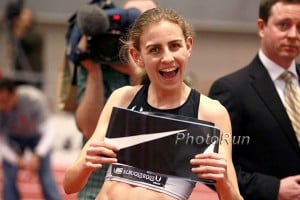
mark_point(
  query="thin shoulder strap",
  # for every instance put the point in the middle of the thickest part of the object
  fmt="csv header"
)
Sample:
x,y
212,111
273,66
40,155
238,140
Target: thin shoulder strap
x,y
196,97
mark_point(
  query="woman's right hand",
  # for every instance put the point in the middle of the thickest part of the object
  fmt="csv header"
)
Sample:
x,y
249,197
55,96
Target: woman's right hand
x,y
99,153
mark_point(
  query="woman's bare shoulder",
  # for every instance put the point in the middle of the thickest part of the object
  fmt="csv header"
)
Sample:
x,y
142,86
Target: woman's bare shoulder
x,y
211,109
123,95
211,105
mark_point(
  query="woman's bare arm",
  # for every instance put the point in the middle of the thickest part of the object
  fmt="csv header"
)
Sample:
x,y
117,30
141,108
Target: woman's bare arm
x,y
218,166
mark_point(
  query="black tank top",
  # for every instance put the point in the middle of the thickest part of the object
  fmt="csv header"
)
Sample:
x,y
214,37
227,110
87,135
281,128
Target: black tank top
x,y
189,108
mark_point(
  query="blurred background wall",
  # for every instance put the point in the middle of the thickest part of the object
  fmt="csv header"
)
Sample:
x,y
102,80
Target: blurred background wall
x,y
226,36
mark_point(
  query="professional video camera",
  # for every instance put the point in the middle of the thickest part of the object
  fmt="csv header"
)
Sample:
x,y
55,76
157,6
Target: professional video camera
x,y
104,48
103,26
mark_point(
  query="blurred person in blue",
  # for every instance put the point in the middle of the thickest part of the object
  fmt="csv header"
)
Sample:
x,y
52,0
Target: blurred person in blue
x,y
25,126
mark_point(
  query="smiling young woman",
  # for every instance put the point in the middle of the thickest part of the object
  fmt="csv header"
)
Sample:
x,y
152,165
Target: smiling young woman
x,y
160,41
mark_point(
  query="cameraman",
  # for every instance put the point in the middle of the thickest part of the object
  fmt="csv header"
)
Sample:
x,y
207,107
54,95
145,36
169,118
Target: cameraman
x,y
95,83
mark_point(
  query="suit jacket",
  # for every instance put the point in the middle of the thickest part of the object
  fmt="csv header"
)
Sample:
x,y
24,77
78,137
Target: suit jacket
x,y
265,147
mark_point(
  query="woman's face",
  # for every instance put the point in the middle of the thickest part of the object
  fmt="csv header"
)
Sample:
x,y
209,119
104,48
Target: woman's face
x,y
164,53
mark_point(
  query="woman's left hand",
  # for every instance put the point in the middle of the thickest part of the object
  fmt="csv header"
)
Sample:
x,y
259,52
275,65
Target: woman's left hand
x,y
210,166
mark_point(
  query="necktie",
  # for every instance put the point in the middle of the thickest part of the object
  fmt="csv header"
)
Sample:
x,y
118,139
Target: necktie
x,y
292,102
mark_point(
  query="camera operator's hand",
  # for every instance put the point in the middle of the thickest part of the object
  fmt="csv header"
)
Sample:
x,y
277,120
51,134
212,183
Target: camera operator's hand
x,y
131,69
88,64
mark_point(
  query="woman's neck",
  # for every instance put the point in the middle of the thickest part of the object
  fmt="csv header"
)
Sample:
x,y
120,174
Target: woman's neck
x,y
168,99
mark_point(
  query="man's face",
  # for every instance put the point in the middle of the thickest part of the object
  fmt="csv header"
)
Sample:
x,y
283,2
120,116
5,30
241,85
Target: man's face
x,y
280,37
7,100
26,17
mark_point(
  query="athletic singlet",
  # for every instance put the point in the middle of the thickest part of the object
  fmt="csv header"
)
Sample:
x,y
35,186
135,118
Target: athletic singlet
x,y
178,188
189,108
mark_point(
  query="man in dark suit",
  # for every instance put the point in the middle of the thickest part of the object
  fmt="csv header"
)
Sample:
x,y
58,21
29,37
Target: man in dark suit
x,y
268,165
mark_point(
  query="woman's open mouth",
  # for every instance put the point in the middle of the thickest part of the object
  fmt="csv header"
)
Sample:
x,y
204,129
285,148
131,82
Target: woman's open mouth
x,y
169,73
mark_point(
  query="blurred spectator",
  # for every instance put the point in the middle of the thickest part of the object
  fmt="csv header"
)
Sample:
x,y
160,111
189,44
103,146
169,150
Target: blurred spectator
x,y
25,45
25,127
